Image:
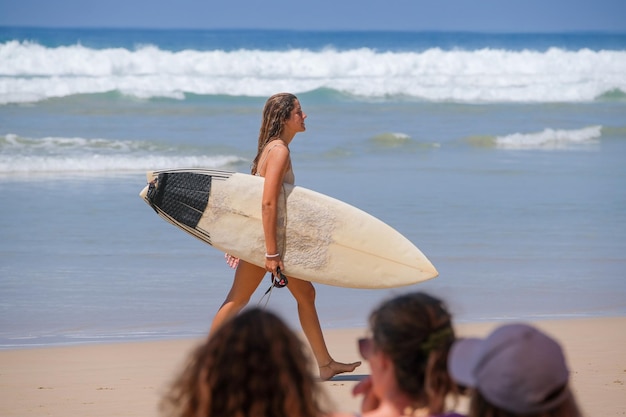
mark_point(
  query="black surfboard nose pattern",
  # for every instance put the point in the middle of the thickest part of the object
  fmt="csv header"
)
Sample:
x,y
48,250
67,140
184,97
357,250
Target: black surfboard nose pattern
x,y
181,195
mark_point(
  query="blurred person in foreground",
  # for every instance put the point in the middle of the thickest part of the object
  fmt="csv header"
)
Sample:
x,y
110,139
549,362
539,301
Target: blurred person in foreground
x,y
252,366
407,352
516,371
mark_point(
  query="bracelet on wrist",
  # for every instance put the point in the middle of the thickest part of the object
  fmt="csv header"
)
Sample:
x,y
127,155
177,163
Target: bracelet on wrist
x,y
276,255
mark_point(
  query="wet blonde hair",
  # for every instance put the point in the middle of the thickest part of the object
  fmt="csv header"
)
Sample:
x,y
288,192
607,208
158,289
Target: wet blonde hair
x,y
277,109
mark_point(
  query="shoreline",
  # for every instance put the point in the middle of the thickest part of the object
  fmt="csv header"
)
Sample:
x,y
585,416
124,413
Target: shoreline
x,y
62,340
128,378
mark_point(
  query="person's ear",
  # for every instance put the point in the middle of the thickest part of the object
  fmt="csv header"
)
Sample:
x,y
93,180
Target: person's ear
x,y
385,361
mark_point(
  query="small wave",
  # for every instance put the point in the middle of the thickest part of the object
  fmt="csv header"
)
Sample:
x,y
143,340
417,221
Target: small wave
x,y
391,139
613,95
98,164
614,132
550,139
19,156
23,145
482,141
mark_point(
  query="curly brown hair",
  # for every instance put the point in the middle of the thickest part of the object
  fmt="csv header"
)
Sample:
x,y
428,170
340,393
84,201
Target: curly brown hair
x,y
252,366
415,331
277,109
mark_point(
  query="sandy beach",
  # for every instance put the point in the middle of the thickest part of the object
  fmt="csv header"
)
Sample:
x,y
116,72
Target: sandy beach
x,y
127,379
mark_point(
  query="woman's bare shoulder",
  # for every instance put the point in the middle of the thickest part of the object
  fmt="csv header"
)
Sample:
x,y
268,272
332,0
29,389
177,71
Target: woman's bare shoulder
x,y
277,144
277,150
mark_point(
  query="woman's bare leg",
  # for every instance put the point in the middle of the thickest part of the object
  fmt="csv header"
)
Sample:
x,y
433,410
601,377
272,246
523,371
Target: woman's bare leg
x,y
304,293
247,279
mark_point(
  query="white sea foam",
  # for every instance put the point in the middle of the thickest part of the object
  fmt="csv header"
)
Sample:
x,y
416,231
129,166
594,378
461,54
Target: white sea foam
x,y
20,155
31,72
550,139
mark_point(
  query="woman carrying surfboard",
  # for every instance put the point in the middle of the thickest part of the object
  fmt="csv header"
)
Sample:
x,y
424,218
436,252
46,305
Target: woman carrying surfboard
x,y
283,118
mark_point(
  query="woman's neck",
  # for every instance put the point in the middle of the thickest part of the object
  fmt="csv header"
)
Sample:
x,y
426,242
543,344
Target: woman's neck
x,y
287,137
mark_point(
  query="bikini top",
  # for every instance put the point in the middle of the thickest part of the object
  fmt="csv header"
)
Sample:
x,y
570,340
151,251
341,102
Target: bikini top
x,y
289,176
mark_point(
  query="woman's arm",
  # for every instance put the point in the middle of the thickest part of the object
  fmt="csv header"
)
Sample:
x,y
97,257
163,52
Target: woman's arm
x,y
277,163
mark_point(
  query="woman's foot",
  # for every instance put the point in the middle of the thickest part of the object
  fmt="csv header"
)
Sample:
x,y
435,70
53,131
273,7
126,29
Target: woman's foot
x,y
333,368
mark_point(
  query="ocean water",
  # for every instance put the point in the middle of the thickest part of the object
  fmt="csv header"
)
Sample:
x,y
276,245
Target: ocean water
x,y
502,157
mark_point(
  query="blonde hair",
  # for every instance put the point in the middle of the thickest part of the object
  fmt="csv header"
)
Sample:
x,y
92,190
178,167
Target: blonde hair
x,y
277,109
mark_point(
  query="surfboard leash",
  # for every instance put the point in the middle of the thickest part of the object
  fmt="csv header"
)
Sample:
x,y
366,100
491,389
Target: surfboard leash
x,y
279,281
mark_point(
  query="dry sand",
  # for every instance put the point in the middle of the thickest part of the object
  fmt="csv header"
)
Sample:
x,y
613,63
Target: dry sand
x,y
127,379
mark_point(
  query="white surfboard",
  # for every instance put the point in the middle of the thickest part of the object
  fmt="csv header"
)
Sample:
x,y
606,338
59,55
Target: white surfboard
x,y
321,239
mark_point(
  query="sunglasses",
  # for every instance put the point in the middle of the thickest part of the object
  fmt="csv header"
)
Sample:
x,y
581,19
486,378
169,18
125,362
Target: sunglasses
x,y
366,347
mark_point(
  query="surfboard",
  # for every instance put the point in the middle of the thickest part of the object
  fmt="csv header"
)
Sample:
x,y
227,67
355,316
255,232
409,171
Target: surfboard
x,y
321,239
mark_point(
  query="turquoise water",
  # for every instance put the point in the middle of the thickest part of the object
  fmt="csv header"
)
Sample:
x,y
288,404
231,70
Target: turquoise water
x,y
501,156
